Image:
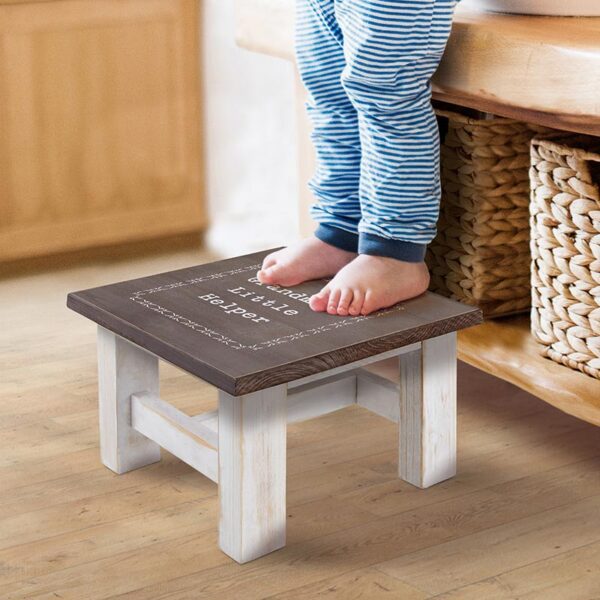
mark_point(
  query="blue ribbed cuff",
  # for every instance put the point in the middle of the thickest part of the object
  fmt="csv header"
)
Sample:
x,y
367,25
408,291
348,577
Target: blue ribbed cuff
x,y
339,238
398,249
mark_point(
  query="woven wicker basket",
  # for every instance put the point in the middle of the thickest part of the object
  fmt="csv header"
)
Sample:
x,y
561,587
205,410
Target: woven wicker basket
x,y
565,245
481,253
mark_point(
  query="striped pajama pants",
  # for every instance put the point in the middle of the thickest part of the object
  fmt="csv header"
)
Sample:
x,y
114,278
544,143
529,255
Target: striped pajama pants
x,y
367,67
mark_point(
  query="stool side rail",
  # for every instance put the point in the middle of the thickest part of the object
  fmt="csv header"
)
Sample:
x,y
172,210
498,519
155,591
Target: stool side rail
x,y
194,439
176,432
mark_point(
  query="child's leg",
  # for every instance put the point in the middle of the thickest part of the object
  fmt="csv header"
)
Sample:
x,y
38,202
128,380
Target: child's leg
x,y
320,59
392,49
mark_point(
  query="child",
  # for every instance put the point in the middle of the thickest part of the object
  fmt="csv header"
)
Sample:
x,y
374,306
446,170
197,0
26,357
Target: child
x,y
367,66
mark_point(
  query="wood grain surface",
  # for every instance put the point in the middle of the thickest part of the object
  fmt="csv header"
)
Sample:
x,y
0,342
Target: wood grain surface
x,y
218,322
505,348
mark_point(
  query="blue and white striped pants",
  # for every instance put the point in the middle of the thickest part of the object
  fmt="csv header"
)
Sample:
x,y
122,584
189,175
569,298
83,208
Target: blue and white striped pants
x,y
367,66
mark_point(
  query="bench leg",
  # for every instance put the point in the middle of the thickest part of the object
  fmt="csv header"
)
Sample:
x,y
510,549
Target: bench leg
x,y
123,369
252,461
428,412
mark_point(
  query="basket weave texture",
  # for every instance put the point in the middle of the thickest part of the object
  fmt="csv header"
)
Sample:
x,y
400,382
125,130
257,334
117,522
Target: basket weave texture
x,y
565,246
481,252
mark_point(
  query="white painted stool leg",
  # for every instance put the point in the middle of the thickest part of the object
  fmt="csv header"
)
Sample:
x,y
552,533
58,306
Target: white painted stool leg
x,y
428,412
252,466
123,369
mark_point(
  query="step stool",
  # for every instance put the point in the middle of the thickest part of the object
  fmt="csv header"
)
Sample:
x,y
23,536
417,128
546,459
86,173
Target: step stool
x,y
273,361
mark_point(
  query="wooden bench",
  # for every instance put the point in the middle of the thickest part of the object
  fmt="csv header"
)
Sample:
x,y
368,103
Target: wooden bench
x,y
274,361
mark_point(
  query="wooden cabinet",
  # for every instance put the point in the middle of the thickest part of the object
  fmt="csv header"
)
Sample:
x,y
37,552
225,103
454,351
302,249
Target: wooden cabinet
x,y
99,123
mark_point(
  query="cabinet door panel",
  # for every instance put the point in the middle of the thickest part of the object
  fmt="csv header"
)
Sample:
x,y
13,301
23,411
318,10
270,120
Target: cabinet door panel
x,y
100,123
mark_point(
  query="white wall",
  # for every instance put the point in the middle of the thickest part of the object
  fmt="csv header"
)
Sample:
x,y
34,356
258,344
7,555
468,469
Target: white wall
x,y
251,160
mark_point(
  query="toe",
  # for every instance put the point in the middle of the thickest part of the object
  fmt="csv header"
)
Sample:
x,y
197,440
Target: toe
x,y
358,298
318,302
266,275
263,274
344,303
334,300
369,304
278,274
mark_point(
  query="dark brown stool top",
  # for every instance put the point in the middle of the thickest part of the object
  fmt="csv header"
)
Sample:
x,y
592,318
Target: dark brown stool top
x,y
219,323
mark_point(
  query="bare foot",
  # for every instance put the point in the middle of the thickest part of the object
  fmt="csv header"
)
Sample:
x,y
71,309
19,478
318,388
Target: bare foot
x,y
370,283
309,259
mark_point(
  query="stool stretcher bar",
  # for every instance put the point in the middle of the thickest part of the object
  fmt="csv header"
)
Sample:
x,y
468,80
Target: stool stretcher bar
x,y
195,440
242,446
176,432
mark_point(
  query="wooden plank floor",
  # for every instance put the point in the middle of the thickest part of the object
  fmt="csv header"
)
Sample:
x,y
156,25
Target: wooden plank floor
x,y
521,519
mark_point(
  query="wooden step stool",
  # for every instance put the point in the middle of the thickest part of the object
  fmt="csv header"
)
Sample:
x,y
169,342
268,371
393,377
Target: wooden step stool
x,y
274,361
